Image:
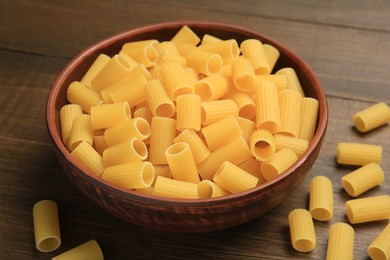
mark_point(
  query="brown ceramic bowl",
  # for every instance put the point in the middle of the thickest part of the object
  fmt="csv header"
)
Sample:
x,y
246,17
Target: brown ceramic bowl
x,y
183,215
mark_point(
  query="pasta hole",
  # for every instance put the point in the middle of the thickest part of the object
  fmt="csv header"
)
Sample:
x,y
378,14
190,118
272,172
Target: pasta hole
x,y
270,126
123,62
182,91
140,148
263,150
148,174
215,64
245,83
177,148
261,71
321,214
350,213
203,90
165,110
376,253
203,115
143,127
304,245
359,124
151,54
49,244
127,110
348,187
248,111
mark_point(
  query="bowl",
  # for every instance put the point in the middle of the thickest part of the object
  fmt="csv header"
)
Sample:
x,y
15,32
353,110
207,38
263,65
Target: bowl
x,y
183,215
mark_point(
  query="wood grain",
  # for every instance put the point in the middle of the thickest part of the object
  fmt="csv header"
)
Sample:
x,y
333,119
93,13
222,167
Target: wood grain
x,y
345,42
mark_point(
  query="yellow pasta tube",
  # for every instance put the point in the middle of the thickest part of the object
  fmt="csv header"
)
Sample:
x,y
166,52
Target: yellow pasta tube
x,y
272,54
262,145
88,250
78,93
137,127
99,143
212,87
340,242
281,161
228,49
171,188
96,66
146,55
175,80
162,133
192,75
209,189
247,127
309,111
81,131
89,158
127,152
280,81
134,44
267,106
207,39
254,51
221,132
166,46
290,102
245,104
234,179
303,237
135,175
252,166
188,112
358,154
46,226
203,61
162,170
236,152
363,179
133,93
368,209
372,117
185,48
321,198
182,163
198,147
145,113
213,111
185,35
292,80
243,75
298,145
170,56
109,115
113,71
380,247
67,114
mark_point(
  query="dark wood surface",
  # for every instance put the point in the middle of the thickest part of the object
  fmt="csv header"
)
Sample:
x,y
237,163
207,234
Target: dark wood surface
x,y
347,43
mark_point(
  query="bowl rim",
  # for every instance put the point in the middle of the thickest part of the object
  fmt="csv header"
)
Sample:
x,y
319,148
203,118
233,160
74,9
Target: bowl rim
x,y
322,119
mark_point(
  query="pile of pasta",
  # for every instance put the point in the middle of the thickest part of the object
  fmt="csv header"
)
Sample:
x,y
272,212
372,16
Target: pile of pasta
x,y
188,118
367,158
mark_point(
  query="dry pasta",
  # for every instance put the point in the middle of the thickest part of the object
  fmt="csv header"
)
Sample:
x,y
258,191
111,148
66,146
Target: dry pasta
x,y
321,198
127,152
254,51
243,75
303,237
81,131
209,189
146,55
228,49
213,111
87,250
290,112
185,35
372,117
309,111
267,106
171,188
368,209
358,154
109,115
46,226
80,94
245,104
247,127
162,133
292,80
262,145
280,162
340,242
175,80
188,112
133,94
67,115
272,54
204,61
252,166
158,100
198,147
96,66
212,87
137,127
99,143
280,81
380,247
88,157
298,145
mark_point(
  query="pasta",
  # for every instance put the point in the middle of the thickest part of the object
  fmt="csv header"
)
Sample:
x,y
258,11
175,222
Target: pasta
x,y
87,250
267,106
363,179
340,242
188,112
127,152
243,75
290,112
162,133
298,145
81,131
245,104
358,154
67,115
146,55
262,145
162,170
46,226
96,66
133,93
99,143
109,115
252,166
321,198
372,117
292,80
368,209
198,148
303,237
212,87
89,158
247,127
80,94
207,39
158,100
175,80
209,189
185,35
203,61
254,51
309,111
380,247
272,54
137,127
228,49
213,111
280,81
280,162
171,188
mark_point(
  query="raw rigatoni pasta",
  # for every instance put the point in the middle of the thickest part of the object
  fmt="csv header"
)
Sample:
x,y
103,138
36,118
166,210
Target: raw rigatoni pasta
x,y
145,113
67,115
267,106
162,170
89,158
80,94
247,127
243,75
372,117
358,154
262,145
309,111
130,175
133,93
292,80
280,81
252,166
134,44
188,112
245,104
175,80
254,51
46,226
234,179
146,55
81,131
298,145
96,66
272,54
380,247
209,189
228,49
127,152
280,162
211,87
171,188
158,100
162,133
137,127
321,198
185,35
303,237
88,250
99,143
363,179
290,112
368,209
207,39
340,242
198,147
203,61
213,111
109,115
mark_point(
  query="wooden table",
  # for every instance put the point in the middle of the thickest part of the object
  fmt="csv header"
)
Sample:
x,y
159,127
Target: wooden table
x,y
347,43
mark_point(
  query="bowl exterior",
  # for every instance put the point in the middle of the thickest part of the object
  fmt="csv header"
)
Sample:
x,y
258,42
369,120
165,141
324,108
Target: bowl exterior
x,y
183,215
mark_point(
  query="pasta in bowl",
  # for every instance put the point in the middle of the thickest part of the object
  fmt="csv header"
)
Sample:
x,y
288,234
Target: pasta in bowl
x,y
202,155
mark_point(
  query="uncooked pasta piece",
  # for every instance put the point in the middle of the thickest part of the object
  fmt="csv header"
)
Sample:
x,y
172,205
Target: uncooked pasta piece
x,y
88,250
96,66
221,132
281,161
211,87
213,111
192,75
228,49
162,170
234,179
267,106
166,46
99,143
80,94
243,75
321,198
209,189
171,188
127,152
185,48
247,127
254,51
198,147
137,127
134,44
363,179
162,133
203,61
308,120
252,166
46,226
88,157
280,81
133,95
109,115
262,145
290,102
272,54
293,82
207,39
145,113
245,104
146,55
358,154
81,131
372,117
303,237
379,249
188,112
368,209
340,242
185,35
175,80
67,115
182,163
130,175
298,145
